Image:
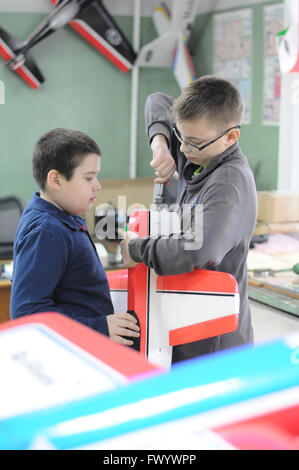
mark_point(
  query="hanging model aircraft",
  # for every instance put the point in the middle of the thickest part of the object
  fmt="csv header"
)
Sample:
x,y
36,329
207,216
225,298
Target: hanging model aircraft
x,y
89,18
170,48
288,40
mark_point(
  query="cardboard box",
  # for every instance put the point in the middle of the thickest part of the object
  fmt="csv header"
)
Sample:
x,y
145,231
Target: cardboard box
x,y
278,206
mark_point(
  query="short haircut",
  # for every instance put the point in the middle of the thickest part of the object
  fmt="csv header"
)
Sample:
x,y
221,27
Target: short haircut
x,y
212,98
62,150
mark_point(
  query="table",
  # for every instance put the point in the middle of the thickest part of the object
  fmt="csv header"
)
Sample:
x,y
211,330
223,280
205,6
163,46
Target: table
x,y
274,299
5,287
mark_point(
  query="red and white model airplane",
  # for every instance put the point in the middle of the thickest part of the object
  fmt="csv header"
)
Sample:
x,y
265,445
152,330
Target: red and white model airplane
x,y
173,310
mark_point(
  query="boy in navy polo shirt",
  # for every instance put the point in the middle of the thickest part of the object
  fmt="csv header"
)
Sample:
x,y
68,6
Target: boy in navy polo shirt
x,y
56,266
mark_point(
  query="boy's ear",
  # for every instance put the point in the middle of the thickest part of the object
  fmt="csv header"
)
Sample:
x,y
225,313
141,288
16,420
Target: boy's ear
x,y
53,179
232,136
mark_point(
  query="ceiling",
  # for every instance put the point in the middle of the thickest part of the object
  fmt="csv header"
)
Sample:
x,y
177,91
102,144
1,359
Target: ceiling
x,y
124,7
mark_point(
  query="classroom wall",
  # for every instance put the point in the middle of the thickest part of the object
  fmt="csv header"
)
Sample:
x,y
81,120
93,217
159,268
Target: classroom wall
x,y
258,142
85,91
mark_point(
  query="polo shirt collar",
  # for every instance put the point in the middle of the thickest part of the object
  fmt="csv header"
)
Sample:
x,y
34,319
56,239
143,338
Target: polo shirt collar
x,y
189,168
73,222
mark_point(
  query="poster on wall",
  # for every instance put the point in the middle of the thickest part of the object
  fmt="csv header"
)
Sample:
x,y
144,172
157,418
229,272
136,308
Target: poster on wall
x,y
273,24
233,52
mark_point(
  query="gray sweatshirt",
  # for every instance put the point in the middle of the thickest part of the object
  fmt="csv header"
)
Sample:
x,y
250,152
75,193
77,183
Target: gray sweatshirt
x,y
226,190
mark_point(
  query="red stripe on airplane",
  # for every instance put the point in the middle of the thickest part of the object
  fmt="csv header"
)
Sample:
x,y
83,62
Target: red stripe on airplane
x,y
138,298
98,45
203,330
199,280
5,54
118,279
21,71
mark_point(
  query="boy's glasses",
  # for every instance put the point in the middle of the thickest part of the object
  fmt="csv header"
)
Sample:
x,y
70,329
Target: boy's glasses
x,y
189,144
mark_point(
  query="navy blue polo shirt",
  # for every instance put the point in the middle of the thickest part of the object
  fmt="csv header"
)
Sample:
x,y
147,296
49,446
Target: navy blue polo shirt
x,y
56,268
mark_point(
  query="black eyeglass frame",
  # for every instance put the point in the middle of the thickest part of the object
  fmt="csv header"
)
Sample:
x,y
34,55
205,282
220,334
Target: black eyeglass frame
x,y
176,133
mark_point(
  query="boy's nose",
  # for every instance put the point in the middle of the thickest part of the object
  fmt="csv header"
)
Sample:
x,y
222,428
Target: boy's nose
x,y
98,186
183,147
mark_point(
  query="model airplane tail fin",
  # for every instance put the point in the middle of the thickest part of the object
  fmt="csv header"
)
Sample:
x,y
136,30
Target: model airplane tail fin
x,y
182,65
23,65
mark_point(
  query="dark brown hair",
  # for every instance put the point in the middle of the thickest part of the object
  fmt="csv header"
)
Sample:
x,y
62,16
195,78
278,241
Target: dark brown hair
x,y
62,150
212,98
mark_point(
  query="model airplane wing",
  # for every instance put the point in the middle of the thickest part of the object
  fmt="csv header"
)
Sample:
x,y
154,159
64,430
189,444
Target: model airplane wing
x,y
95,25
28,70
170,49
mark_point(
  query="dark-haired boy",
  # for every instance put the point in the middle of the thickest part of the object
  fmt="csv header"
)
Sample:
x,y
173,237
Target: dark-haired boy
x,y
197,134
56,266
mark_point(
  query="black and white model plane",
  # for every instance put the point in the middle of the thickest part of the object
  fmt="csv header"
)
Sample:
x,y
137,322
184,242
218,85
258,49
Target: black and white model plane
x,y
89,18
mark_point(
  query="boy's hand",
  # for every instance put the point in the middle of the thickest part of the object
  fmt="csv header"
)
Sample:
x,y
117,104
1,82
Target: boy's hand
x,y
122,324
124,248
162,161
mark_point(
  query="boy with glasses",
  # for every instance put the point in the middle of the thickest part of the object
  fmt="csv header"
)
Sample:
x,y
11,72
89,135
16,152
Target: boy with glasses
x,y
197,135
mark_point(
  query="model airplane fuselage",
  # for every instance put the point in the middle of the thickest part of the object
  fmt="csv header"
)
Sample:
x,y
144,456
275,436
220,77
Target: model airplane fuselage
x,y
89,18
